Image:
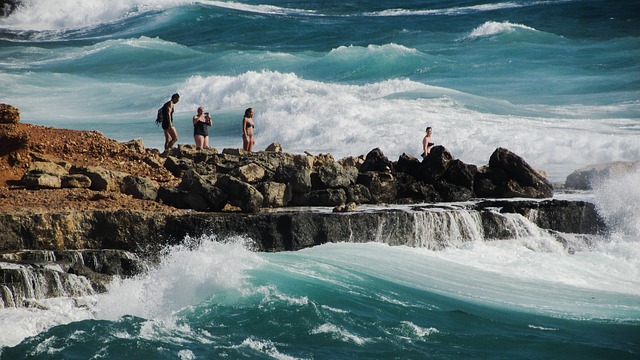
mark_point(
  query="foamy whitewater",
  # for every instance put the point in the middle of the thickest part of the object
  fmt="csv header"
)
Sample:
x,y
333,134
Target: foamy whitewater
x,y
557,82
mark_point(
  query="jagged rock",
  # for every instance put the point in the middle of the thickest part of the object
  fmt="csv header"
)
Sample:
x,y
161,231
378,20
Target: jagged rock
x,y
176,165
182,199
8,113
298,178
322,159
576,217
382,186
408,165
250,173
233,151
139,187
50,168
412,190
154,162
584,178
325,197
303,161
523,180
355,162
358,194
376,161
461,174
77,181
241,194
135,144
274,147
451,192
484,183
204,187
333,175
434,165
270,161
101,178
12,138
38,180
275,194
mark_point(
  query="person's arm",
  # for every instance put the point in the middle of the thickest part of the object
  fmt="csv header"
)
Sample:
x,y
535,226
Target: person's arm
x,y
425,142
167,112
244,126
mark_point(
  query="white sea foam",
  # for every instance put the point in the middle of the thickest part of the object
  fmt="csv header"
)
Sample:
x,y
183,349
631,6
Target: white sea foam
x,y
186,276
266,347
459,10
67,14
260,9
618,201
339,333
491,28
420,331
20,323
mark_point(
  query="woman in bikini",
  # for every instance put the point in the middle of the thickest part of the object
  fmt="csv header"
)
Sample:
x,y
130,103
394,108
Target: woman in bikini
x,y
426,143
247,130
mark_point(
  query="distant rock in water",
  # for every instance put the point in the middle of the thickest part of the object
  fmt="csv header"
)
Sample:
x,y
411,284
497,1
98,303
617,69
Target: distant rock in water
x,y
583,179
8,6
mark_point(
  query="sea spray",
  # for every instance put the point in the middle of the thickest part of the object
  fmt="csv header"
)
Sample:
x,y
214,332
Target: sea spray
x,y
186,275
617,200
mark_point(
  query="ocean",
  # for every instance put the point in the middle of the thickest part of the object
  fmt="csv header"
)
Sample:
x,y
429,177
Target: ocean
x,y
556,82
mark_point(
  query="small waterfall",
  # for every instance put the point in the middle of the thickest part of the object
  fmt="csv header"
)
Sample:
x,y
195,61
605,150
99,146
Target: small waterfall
x,y
24,283
439,229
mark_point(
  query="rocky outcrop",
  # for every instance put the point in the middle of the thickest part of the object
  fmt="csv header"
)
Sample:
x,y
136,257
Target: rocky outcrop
x,y
8,113
248,181
508,176
583,179
147,232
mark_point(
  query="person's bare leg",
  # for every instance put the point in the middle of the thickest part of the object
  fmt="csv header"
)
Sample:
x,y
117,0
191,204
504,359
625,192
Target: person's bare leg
x,y
167,139
174,137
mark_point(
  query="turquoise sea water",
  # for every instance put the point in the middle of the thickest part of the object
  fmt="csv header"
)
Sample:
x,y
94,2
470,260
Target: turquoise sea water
x,y
557,82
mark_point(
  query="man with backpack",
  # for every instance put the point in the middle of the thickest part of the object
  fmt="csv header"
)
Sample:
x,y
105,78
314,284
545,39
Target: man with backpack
x,y
165,115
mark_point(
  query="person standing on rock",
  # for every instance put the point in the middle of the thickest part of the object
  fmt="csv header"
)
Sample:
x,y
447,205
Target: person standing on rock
x,y
426,143
247,130
170,133
201,123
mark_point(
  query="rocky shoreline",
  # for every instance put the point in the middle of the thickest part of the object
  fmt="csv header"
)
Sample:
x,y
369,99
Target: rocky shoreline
x,y
79,209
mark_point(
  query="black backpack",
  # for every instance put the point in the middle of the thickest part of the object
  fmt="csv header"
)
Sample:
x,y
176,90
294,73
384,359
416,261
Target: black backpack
x,y
160,116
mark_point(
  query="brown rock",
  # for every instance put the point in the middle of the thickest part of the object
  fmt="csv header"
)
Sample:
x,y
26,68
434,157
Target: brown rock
x,y
75,181
9,114
274,147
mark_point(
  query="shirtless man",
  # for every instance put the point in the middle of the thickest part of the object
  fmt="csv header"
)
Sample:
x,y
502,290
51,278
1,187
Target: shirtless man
x,y
170,133
426,143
